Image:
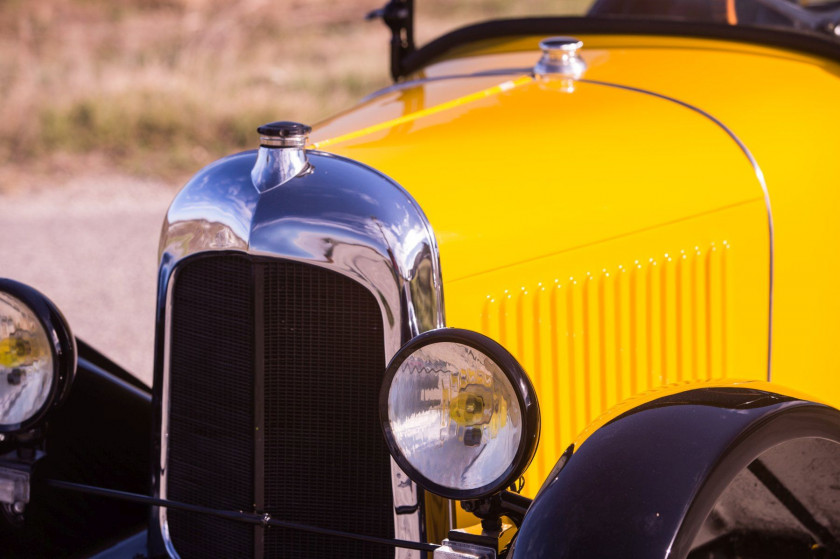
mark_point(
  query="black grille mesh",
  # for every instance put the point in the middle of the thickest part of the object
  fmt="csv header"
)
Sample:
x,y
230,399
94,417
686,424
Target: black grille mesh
x,y
324,365
211,391
325,460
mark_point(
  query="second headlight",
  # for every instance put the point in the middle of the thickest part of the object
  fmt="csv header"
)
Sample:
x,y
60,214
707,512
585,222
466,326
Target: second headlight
x,y
459,414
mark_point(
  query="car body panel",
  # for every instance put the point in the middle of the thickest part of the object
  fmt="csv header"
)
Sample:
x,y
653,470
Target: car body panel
x,y
750,89
643,183
610,327
641,251
791,143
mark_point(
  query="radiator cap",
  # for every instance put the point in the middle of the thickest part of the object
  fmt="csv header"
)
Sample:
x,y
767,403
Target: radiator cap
x,y
282,154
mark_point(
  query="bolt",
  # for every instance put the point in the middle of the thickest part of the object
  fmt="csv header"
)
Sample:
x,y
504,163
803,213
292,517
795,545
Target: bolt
x,y
14,377
18,507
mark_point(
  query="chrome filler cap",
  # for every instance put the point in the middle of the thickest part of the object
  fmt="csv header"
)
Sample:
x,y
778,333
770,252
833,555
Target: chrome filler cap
x,y
560,57
281,156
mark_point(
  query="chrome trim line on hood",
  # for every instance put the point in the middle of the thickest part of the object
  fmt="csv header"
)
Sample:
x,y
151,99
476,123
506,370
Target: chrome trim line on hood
x,y
759,175
420,81
343,216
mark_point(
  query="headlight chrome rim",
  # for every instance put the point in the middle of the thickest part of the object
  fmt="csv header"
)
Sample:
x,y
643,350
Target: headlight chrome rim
x,y
522,388
62,346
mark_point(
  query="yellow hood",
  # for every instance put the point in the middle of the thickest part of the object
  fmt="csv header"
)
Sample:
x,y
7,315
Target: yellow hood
x,y
510,169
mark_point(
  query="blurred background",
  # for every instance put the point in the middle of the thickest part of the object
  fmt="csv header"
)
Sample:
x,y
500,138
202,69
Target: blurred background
x,y
158,88
108,106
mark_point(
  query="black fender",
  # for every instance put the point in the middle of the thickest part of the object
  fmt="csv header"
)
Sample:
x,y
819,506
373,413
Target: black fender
x,y
100,435
644,483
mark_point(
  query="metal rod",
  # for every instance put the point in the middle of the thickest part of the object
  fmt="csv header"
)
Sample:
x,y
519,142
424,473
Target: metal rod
x,y
239,516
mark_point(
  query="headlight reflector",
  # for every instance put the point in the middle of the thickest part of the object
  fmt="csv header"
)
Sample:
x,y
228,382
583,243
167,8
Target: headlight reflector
x,y
37,356
459,414
26,363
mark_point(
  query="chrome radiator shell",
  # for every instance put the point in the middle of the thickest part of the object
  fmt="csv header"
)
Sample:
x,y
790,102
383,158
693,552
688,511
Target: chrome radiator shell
x,y
340,215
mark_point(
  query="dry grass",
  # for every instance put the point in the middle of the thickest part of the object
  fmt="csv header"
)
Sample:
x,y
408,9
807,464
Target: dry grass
x,y
159,88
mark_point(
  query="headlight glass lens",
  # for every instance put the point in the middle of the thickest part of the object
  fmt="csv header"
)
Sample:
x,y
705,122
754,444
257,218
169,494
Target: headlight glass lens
x,y
26,362
455,415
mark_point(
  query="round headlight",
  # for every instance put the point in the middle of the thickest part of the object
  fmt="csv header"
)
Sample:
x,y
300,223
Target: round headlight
x,y
459,414
37,356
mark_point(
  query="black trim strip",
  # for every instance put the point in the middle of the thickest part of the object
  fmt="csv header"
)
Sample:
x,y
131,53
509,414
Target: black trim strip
x,y
238,516
811,43
258,293
132,387
407,509
100,360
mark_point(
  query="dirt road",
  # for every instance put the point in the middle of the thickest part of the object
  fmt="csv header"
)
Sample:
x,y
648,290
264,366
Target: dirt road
x,y
90,245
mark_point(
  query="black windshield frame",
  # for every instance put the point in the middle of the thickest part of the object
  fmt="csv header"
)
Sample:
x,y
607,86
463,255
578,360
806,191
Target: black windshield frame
x,y
802,41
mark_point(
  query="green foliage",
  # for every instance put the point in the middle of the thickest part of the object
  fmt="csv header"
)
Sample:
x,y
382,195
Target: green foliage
x,y
147,132
162,87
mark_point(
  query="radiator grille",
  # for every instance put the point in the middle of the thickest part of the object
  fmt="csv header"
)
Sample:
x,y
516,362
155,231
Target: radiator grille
x,y
211,402
318,337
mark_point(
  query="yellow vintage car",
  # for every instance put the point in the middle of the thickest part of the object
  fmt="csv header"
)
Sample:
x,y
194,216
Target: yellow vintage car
x,y
601,248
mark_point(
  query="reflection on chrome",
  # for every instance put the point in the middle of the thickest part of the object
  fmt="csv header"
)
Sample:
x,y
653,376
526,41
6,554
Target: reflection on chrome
x,y
560,58
276,166
343,216
26,364
455,416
